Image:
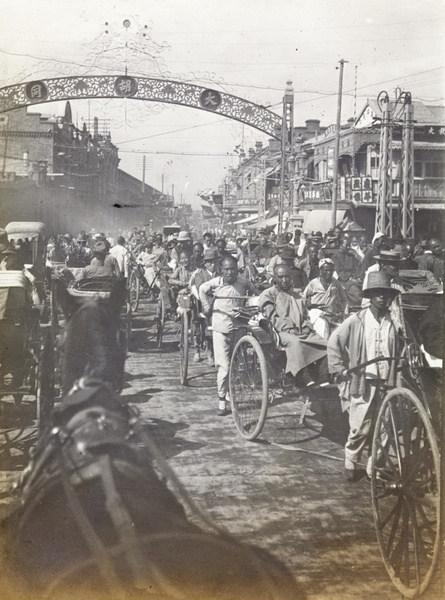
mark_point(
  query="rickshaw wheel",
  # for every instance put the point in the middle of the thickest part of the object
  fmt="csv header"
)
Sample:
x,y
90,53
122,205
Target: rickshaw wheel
x,y
45,383
249,387
405,485
134,290
184,346
160,321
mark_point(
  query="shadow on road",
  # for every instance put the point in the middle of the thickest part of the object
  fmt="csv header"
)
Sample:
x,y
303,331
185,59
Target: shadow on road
x,y
164,433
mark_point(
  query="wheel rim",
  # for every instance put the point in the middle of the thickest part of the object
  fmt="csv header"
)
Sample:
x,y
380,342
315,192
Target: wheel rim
x,y
249,388
405,491
134,291
184,347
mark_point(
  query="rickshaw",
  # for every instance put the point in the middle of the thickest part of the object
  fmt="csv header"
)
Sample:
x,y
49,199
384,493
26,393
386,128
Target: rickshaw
x,y
405,481
37,349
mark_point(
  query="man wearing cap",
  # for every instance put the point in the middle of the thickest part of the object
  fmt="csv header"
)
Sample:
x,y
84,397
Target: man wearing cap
x,y
362,337
431,259
326,300
263,252
309,264
99,267
348,269
281,244
379,242
79,255
226,292
207,272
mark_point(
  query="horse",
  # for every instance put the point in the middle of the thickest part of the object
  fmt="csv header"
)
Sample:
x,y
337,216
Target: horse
x,y
101,514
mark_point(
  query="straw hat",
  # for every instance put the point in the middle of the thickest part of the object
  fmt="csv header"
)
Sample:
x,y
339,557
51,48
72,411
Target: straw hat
x,y
378,281
184,236
388,255
210,254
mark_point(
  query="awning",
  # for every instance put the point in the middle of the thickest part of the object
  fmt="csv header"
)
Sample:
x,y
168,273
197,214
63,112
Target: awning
x,y
271,222
320,220
246,220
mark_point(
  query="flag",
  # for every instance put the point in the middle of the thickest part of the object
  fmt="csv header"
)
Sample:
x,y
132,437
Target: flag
x,y
207,212
217,198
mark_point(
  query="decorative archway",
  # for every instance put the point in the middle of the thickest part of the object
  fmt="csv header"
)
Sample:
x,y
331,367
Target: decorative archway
x,y
141,88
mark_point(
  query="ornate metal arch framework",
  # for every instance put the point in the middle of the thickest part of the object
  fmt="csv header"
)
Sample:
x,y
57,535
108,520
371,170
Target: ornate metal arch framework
x,y
141,88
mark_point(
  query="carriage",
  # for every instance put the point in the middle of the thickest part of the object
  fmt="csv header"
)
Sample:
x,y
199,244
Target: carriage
x,y
31,345
101,287
29,238
405,481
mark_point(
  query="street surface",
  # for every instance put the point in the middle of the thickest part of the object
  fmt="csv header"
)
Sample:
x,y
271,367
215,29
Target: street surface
x,y
284,492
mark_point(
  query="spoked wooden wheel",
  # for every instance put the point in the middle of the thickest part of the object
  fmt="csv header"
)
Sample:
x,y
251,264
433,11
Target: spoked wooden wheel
x,y
184,345
249,388
134,290
160,320
405,491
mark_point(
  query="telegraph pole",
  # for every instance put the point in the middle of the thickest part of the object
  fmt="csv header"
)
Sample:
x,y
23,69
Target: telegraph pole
x,y
286,149
337,147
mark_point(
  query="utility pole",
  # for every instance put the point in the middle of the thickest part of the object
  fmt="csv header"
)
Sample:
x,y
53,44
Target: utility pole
x,y
408,168
286,150
337,147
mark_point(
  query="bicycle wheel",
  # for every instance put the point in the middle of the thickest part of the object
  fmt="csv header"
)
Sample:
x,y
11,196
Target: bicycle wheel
x,y
405,486
184,346
249,387
134,290
160,321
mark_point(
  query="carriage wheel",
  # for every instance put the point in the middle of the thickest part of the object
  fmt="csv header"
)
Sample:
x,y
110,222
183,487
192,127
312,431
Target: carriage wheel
x,y
405,486
134,290
45,383
160,320
184,345
249,388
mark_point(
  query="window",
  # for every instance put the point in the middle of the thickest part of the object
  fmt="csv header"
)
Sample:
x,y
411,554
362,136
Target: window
x,y
375,162
417,169
434,169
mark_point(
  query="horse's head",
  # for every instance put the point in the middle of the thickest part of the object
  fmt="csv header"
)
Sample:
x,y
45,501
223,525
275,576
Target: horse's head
x,y
93,346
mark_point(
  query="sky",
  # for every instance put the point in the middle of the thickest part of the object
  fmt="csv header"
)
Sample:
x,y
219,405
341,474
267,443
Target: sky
x,y
248,48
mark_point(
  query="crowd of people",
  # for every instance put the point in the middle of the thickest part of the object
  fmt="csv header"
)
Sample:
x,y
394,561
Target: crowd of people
x,y
333,299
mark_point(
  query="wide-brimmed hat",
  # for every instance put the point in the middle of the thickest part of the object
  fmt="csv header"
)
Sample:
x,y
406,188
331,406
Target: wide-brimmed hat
x,y
184,236
100,248
288,252
263,231
388,255
378,281
8,251
210,254
282,240
4,242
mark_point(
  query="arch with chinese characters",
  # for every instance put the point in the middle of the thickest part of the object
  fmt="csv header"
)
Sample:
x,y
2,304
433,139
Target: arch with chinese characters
x,y
141,88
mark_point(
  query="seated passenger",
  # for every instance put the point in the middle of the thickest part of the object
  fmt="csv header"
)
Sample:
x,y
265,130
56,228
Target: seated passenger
x,y
326,300
99,267
286,309
180,278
